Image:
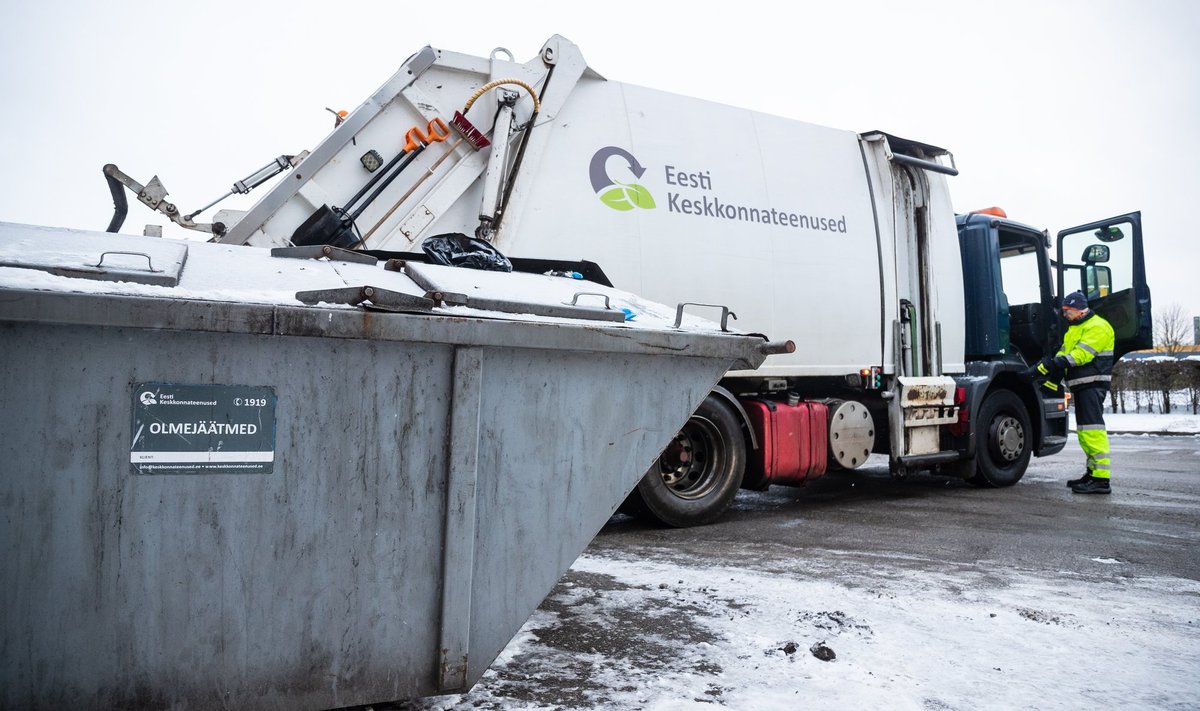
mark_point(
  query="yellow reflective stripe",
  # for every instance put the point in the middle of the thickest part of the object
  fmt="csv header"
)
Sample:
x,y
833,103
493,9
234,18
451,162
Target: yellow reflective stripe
x,y
1050,386
1042,369
1090,379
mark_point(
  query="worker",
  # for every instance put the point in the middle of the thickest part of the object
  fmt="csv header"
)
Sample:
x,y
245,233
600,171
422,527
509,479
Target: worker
x,y
1085,362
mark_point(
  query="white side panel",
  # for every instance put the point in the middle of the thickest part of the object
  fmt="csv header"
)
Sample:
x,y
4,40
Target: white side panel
x,y
768,216
882,189
946,262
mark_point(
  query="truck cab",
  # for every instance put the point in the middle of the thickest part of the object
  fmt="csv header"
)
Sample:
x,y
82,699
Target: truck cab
x,y
1013,285
1012,291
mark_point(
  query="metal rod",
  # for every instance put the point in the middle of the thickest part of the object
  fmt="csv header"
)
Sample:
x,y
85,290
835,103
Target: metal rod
x,y
777,347
120,204
214,202
929,165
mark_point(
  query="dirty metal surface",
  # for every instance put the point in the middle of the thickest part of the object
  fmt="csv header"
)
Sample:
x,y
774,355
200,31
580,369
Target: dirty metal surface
x,y
341,576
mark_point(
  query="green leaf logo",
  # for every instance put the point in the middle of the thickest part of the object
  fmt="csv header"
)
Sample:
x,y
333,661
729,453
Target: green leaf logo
x,y
640,196
616,198
627,197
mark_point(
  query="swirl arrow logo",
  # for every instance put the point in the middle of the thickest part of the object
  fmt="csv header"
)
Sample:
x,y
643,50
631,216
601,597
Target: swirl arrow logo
x,y
617,195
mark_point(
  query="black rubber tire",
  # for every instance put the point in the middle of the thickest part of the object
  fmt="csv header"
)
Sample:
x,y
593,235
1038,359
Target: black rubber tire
x,y
1005,440
697,476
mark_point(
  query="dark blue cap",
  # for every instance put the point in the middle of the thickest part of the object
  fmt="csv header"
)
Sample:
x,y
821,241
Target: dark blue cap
x,y
1076,300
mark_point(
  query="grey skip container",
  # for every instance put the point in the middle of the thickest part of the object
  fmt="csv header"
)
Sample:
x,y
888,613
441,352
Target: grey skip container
x,y
430,479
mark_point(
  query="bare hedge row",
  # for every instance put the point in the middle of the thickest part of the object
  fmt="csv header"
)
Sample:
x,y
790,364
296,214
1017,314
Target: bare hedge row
x,y
1159,385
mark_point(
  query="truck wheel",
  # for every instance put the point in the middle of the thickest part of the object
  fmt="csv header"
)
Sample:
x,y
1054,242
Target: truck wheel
x,y
697,476
1007,440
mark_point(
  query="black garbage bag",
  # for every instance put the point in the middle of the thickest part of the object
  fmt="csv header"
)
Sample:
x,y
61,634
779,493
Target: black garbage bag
x,y
455,249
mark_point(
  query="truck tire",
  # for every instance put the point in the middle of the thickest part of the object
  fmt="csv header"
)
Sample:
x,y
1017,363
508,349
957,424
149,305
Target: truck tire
x,y
1006,440
698,475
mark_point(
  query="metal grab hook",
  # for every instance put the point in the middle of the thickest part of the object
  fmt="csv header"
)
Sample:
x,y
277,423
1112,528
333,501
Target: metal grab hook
x,y
149,263
437,130
726,314
574,301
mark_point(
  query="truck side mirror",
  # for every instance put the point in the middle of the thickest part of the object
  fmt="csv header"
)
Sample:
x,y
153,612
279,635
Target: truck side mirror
x,y
1096,254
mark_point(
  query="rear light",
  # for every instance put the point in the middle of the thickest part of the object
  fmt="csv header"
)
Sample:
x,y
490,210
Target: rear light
x,y
960,428
872,378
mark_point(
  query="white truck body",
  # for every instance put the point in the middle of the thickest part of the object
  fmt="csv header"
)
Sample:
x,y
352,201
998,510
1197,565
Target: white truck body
x,y
777,219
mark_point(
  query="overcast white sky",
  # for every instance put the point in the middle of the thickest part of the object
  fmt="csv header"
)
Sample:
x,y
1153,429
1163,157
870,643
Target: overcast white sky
x,y
1060,111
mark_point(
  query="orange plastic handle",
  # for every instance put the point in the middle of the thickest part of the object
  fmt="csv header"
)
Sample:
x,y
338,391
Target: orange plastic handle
x,y
436,131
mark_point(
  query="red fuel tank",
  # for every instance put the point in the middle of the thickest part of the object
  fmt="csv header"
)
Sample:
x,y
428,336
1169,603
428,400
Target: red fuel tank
x,y
793,441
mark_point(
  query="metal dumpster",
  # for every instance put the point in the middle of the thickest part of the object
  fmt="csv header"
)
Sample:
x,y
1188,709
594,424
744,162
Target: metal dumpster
x,y
213,495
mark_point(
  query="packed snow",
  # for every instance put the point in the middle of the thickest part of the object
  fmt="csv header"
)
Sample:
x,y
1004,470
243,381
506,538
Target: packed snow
x,y
649,628
900,638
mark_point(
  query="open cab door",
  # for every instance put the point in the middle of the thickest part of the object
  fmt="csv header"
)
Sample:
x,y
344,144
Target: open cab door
x,y
1105,261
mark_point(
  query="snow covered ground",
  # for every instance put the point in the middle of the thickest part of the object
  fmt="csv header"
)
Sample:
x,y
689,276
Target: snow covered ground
x,y
1182,422
652,634
657,626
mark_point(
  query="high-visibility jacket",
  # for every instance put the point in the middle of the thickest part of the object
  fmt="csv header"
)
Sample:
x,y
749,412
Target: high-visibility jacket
x,y
1088,353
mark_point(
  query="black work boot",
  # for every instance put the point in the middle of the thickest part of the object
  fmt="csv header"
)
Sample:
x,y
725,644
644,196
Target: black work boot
x,y
1076,482
1092,485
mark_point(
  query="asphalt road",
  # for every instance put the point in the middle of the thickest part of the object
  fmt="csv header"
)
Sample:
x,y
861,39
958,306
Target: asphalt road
x,y
610,636
1151,521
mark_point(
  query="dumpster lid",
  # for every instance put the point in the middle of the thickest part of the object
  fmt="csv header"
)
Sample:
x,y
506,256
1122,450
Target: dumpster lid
x,y
517,293
79,255
63,260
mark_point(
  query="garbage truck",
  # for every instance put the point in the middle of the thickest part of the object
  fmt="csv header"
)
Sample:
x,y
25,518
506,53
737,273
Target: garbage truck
x,y
913,325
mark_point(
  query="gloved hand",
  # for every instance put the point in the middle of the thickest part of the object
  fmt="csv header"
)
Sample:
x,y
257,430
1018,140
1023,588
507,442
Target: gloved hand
x,y
1050,388
1046,373
1052,367
1039,370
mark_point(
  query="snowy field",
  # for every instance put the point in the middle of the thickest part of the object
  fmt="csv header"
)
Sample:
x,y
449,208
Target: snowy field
x,y
1182,422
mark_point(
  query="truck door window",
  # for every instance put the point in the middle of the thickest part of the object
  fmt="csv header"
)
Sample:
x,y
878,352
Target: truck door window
x,y
1026,283
1099,263
1019,272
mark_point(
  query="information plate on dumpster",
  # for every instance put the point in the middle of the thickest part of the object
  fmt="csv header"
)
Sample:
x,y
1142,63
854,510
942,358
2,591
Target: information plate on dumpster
x,y
202,429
